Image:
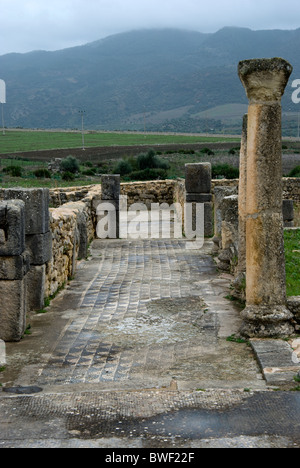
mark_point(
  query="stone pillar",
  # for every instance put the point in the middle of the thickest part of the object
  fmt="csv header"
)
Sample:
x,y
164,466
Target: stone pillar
x,y
288,213
266,313
198,190
219,195
229,234
38,240
240,275
14,267
110,201
243,199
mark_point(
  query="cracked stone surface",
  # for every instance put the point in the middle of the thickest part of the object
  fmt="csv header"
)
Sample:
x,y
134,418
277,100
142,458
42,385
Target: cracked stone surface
x,y
134,354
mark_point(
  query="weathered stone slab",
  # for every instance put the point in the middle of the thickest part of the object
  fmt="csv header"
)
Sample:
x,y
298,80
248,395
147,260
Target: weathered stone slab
x,y
12,228
13,310
220,194
14,268
36,280
111,187
198,197
36,208
208,219
2,354
198,178
39,247
277,360
288,212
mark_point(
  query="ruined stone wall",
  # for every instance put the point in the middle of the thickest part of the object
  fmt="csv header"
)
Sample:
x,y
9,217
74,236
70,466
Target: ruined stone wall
x,y
73,227
291,189
158,191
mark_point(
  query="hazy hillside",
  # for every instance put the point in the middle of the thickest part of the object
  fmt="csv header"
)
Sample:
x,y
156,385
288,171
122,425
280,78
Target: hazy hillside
x,y
161,79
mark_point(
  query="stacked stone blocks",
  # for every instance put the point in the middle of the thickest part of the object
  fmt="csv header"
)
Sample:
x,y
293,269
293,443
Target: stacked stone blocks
x,y
25,249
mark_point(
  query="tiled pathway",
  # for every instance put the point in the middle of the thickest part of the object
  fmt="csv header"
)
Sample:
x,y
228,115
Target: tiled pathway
x,y
152,314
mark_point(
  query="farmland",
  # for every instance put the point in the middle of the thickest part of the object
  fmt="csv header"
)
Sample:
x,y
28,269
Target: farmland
x,y
37,140
24,152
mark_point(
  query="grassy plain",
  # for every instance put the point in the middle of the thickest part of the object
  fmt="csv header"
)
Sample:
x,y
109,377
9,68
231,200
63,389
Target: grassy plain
x,y
35,140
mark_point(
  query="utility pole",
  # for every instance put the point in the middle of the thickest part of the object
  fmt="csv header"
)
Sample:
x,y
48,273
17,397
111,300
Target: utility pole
x,y
2,101
82,112
3,125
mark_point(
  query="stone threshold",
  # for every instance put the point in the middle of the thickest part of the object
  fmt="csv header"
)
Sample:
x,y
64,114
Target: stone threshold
x,y
278,359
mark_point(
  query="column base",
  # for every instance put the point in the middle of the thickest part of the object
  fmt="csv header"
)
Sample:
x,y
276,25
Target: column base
x,y
267,322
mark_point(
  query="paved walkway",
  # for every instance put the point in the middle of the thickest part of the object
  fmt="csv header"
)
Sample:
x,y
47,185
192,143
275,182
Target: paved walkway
x,y
139,333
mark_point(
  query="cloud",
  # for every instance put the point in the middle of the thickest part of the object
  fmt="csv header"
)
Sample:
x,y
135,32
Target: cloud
x,y
42,24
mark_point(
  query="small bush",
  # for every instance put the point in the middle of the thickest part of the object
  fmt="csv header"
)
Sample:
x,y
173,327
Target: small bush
x,y
207,151
224,171
14,171
70,164
68,176
42,174
151,161
149,174
123,168
295,172
90,172
186,151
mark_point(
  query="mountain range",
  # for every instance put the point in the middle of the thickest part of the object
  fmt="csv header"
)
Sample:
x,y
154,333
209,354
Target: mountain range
x,y
159,80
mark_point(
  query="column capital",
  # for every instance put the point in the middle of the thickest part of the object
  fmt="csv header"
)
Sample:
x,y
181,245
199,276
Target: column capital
x,y
265,79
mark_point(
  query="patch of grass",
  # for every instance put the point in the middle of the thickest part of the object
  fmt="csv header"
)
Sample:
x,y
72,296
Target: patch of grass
x,y
292,258
236,339
42,311
296,389
28,330
297,214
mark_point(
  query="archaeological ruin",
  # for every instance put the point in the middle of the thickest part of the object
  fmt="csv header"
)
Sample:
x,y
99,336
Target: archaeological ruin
x,y
43,233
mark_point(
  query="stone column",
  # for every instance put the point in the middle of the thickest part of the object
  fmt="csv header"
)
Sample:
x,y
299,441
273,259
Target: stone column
x,y
109,207
198,190
243,199
266,313
240,277
14,267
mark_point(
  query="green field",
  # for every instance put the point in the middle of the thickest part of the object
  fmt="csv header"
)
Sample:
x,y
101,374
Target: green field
x,y
31,140
292,254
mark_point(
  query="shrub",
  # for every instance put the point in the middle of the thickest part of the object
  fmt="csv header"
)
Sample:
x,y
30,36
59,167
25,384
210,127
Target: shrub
x,y
70,164
42,174
68,176
90,172
207,151
123,168
149,174
14,171
224,171
151,161
295,172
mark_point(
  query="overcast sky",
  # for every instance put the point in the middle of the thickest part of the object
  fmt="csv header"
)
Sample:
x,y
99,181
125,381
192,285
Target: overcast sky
x,y
27,25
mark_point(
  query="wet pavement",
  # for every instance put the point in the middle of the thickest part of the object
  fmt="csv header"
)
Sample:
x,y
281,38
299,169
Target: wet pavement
x,y
134,353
